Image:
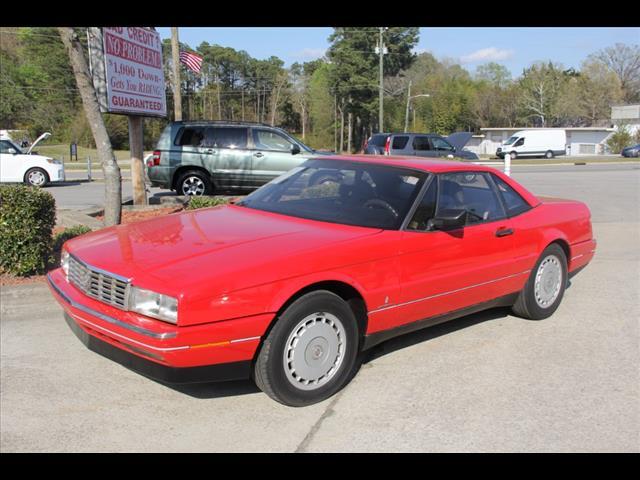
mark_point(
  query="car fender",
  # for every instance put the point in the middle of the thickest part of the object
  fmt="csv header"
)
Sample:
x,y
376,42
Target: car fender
x,y
291,287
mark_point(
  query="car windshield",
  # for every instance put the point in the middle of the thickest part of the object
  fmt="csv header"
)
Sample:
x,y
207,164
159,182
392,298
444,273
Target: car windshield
x,y
349,193
511,140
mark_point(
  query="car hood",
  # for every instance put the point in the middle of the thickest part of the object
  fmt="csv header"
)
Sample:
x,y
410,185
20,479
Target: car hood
x,y
226,242
44,136
459,139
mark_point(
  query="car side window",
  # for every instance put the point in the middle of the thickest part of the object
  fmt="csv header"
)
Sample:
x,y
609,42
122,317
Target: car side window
x,y
472,192
230,137
399,142
270,140
426,209
5,146
441,144
513,202
421,143
190,137
519,143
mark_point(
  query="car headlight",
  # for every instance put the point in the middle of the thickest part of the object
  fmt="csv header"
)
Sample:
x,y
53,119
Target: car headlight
x,y
64,262
152,304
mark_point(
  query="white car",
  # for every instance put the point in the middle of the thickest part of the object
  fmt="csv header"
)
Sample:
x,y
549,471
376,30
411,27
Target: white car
x,y
17,166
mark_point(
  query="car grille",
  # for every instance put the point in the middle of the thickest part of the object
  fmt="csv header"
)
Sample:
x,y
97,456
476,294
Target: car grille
x,y
102,286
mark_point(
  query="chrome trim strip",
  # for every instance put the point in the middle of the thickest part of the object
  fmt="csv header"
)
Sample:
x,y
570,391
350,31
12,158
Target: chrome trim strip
x,y
446,293
244,339
99,270
577,256
106,318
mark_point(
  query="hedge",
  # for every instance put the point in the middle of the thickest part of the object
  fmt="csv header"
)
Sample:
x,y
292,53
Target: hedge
x,y
27,218
60,238
205,202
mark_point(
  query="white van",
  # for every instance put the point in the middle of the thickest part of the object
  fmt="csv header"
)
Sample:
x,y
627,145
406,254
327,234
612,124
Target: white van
x,y
18,166
535,143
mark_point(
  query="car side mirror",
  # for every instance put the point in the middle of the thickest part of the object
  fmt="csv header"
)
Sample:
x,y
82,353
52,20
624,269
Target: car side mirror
x,y
450,217
295,149
12,151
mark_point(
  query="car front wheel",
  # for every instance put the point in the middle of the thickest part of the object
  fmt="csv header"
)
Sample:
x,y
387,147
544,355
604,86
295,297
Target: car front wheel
x,y
36,177
543,292
310,352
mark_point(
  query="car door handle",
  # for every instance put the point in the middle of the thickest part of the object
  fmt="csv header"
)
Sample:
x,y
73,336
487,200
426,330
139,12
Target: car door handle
x,y
209,150
503,232
258,155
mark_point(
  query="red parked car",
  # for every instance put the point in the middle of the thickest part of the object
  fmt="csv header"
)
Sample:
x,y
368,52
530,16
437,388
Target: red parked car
x,y
337,255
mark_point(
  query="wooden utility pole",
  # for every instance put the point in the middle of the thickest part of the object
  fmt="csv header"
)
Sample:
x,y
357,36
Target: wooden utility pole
x,y
177,93
112,178
350,129
137,161
381,92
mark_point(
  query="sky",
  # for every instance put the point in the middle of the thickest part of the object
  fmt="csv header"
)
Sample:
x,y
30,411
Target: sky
x,y
515,48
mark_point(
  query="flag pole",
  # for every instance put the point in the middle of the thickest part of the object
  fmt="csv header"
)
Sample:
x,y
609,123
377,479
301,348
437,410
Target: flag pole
x,y
177,93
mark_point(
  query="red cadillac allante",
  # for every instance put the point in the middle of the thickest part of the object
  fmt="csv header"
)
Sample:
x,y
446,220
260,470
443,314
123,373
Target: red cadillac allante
x,y
333,257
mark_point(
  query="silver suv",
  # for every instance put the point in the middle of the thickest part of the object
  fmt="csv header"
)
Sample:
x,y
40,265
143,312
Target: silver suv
x,y
203,157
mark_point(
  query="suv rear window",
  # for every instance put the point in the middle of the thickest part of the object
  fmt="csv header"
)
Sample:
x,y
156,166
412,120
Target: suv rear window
x,y
212,137
399,142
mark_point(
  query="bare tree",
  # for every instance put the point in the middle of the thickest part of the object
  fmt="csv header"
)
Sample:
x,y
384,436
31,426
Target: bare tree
x,y
624,60
113,188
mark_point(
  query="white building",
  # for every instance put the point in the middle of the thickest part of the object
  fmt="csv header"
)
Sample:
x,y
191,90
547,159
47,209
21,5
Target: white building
x,y
580,140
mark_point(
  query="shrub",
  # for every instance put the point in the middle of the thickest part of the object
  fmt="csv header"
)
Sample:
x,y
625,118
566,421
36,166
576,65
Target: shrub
x,y
27,217
60,238
619,139
205,202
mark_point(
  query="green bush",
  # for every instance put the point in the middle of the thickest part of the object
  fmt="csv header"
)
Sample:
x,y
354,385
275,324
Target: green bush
x,y
620,139
205,202
27,218
60,238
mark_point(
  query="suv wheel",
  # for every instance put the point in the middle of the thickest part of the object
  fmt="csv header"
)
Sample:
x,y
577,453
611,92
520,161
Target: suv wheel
x,y
194,183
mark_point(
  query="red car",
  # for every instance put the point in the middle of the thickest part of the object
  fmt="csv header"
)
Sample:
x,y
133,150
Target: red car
x,y
339,254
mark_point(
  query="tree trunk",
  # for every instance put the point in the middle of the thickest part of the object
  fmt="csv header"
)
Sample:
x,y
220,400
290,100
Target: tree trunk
x,y
341,127
113,187
349,131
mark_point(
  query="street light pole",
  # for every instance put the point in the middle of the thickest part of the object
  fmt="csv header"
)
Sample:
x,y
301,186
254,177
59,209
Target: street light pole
x,y
406,116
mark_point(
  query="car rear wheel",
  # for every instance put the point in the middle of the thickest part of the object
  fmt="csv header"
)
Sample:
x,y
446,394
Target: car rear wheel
x,y
545,287
194,183
36,177
310,352
549,154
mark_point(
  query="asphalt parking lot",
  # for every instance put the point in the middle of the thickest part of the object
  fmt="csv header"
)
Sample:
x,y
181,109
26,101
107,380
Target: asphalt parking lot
x,y
486,382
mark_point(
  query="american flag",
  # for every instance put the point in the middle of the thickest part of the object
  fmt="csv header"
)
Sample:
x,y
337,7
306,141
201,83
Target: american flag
x,y
192,61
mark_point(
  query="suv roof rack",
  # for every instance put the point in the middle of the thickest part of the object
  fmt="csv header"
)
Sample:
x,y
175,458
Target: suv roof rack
x,y
227,122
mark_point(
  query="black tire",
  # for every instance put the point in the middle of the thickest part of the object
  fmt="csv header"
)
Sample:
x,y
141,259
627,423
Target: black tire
x,y
526,305
188,179
32,174
270,372
513,155
548,154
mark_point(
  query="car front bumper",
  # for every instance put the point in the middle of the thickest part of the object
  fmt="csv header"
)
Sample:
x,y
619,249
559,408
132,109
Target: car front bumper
x,y
217,351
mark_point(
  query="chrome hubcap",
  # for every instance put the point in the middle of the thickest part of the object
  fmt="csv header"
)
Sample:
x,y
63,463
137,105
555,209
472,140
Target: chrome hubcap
x,y
548,281
314,351
193,186
36,178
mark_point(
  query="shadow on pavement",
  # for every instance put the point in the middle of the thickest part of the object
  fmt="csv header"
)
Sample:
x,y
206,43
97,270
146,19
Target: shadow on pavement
x,y
216,390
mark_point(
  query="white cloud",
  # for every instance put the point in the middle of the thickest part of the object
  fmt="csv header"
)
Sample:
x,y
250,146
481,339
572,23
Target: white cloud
x,y
491,54
310,53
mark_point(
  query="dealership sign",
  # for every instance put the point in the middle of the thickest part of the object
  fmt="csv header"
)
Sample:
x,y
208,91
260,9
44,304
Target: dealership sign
x,y
132,79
